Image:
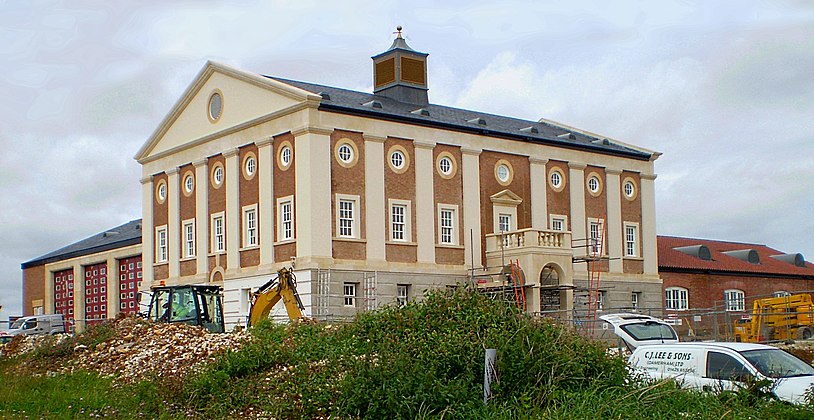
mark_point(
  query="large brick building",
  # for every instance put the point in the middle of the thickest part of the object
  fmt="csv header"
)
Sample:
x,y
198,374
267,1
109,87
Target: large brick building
x,y
708,281
373,198
87,281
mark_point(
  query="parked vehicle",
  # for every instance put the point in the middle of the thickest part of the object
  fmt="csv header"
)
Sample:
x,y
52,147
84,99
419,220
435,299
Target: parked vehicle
x,y
636,330
778,319
38,325
5,337
725,367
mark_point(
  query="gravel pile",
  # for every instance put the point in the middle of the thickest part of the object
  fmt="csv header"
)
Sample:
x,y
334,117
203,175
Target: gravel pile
x,y
135,350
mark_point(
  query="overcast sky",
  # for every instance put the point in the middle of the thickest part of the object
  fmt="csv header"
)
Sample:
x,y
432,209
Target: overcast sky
x,y
724,89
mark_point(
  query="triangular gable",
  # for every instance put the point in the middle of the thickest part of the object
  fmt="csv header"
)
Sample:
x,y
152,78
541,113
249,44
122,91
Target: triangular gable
x,y
246,97
506,197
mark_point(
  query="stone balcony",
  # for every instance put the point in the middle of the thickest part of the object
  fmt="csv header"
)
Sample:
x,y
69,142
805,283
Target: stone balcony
x,y
526,240
534,250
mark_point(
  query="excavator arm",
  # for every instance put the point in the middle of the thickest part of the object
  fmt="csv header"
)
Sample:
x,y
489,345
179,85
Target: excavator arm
x,y
284,287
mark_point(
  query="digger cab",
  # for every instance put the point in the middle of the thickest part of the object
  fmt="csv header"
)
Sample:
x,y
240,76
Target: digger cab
x,y
188,304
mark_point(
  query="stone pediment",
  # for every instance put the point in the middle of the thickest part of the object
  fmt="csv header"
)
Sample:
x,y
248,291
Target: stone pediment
x,y
246,99
506,197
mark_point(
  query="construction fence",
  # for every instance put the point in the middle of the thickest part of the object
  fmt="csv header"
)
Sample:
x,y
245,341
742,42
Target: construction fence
x,y
787,318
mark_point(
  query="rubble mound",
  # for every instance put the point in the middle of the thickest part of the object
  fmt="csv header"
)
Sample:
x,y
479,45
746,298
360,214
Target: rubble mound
x,y
131,350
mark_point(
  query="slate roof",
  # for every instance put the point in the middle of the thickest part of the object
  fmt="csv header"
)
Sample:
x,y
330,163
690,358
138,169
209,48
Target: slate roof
x,y
444,117
120,236
672,260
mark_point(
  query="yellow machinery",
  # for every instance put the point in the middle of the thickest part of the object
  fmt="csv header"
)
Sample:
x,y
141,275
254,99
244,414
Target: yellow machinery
x,y
284,287
777,319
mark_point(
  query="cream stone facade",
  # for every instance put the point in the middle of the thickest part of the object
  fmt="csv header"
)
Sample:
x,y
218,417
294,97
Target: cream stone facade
x,y
416,200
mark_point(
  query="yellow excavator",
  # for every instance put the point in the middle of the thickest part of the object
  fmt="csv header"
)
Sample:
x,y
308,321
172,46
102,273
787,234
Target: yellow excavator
x,y
284,287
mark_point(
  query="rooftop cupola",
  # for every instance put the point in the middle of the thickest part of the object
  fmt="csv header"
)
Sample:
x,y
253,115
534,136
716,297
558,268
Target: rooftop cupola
x,y
400,73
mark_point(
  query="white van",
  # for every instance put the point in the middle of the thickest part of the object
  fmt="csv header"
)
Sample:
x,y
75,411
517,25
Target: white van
x,y
38,325
640,330
725,366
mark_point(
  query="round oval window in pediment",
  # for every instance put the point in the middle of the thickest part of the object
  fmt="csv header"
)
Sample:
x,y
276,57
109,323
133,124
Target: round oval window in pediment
x,y
215,106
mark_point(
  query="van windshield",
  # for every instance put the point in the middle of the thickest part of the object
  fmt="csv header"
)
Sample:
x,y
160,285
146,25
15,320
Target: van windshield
x,y
776,363
649,330
18,323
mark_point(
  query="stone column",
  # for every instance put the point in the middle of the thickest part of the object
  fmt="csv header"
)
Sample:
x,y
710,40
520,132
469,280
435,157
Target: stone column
x,y
112,284
375,208
232,219
579,235
174,224
539,203
648,230
470,172
613,192
313,218
79,314
201,218
265,169
147,234
424,202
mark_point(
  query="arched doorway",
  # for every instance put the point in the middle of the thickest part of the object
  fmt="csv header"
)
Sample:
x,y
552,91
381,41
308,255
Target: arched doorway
x,y
550,289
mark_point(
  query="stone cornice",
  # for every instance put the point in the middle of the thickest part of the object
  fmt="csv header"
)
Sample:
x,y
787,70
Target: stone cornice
x,y
374,138
311,129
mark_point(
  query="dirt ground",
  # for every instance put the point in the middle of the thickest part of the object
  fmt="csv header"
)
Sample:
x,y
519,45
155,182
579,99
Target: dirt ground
x,y
134,350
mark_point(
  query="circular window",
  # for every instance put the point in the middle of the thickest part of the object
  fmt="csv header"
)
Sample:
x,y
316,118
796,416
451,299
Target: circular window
x,y
594,184
629,189
446,165
556,179
215,106
345,153
217,175
503,172
285,155
189,183
161,191
249,165
398,159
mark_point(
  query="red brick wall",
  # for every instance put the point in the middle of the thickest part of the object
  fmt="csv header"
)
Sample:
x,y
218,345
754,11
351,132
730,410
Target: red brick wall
x,y
559,202
351,181
400,187
160,218
249,191
217,204
186,209
489,185
284,185
704,290
33,287
632,212
449,191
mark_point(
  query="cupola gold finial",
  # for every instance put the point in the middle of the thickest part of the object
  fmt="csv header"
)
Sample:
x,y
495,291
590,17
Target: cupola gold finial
x,y
398,31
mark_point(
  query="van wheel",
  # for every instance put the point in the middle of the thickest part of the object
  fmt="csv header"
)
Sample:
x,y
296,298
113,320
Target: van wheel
x,y
804,333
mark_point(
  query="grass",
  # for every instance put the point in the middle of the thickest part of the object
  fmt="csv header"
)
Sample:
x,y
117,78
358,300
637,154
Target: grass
x,y
424,360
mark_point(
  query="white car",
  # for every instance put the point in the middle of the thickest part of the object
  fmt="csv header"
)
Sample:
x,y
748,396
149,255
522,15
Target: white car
x,y
640,330
725,366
